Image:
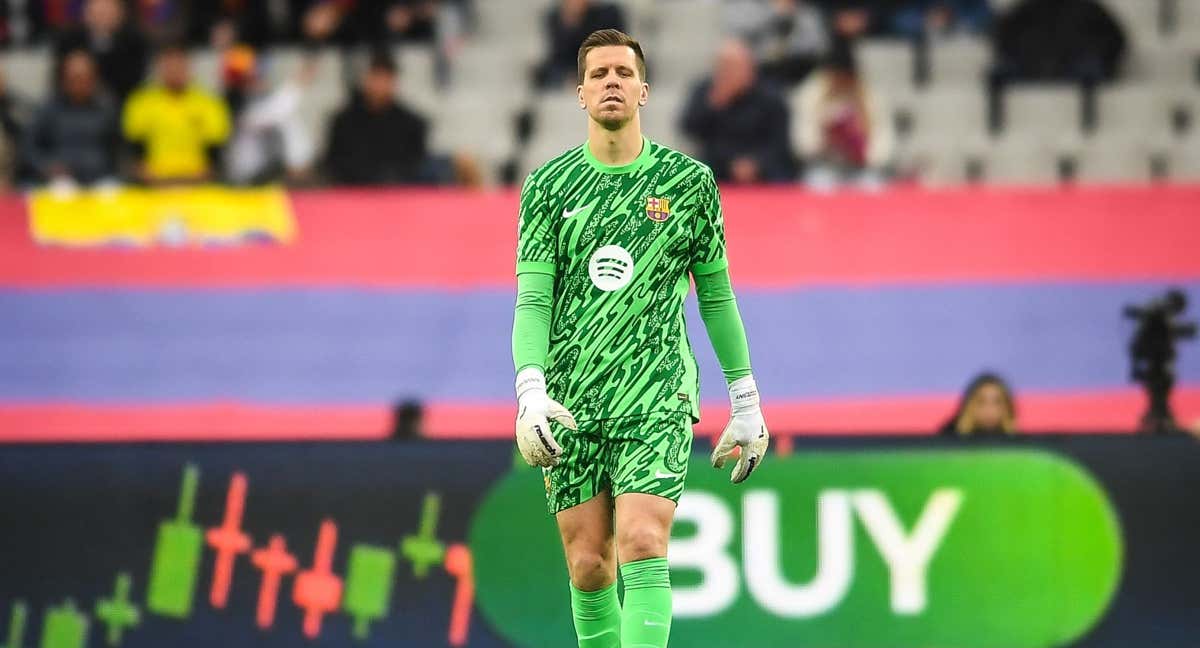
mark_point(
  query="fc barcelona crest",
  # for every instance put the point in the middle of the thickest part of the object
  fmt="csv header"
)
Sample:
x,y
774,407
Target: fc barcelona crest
x,y
658,209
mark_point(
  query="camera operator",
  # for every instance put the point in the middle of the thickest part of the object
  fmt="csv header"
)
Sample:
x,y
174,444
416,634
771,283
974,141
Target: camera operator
x,y
1152,351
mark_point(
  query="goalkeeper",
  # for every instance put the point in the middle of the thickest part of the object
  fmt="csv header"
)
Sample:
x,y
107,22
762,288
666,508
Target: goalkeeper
x,y
606,378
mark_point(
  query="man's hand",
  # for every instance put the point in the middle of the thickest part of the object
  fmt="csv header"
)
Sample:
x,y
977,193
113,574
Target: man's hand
x,y
535,409
745,430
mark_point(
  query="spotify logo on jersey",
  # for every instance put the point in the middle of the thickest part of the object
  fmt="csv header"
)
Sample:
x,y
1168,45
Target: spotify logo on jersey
x,y
611,268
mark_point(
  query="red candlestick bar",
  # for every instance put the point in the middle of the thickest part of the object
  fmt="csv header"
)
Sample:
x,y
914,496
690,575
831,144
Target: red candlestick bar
x,y
458,564
228,540
318,591
275,562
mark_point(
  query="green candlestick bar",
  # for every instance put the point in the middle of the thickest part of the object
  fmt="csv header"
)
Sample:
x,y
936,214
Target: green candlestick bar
x,y
16,625
423,549
368,586
177,556
64,627
118,613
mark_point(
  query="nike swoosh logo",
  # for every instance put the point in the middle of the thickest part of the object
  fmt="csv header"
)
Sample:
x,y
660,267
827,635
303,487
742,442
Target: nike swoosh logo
x,y
664,475
651,623
567,213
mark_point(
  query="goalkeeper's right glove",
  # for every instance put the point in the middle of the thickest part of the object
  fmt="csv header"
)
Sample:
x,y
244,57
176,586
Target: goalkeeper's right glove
x,y
534,411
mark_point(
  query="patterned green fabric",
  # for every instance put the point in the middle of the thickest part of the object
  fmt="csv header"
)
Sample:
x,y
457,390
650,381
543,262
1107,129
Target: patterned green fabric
x,y
628,455
620,242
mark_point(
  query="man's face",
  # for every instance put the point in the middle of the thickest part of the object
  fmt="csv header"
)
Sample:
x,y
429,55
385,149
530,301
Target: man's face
x,y
379,87
612,89
104,15
173,70
79,77
735,66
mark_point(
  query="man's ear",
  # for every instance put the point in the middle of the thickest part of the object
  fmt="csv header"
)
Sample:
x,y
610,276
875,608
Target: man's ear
x,y
644,96
579,93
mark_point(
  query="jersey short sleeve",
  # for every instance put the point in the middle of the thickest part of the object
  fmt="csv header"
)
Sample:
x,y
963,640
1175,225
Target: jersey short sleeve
x,y
536,239
708,230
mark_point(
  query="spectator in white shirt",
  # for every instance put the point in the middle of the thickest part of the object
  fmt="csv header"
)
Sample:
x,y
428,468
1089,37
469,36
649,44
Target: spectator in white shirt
x,y
270,141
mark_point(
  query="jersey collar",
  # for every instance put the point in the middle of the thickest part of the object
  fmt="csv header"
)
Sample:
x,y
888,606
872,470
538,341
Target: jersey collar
x,y
637,163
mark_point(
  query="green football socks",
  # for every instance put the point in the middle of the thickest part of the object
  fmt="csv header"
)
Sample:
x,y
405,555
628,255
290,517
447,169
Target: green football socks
x,y
646,614
597,617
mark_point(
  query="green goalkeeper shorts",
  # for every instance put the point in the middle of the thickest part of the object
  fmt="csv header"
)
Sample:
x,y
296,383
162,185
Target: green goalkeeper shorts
x,y
627,455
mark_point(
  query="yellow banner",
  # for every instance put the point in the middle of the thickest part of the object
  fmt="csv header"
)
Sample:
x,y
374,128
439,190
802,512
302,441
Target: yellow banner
x,y
178,216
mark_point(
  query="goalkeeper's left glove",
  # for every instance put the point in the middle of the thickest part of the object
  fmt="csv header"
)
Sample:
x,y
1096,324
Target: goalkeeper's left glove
x,y
535,409
745,429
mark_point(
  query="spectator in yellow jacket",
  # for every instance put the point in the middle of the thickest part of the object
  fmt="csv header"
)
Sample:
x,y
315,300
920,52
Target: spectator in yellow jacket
x,y
177,127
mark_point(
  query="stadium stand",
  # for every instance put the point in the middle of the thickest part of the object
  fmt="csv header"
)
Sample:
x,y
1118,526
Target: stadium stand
x,y
476,91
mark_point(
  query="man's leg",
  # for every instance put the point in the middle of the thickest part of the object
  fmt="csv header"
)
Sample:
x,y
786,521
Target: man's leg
x,y
587,536
648,467
577,494
643,530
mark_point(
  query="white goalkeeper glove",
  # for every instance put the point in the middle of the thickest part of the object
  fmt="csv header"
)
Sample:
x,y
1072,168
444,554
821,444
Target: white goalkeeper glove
x,y
745,429
535,409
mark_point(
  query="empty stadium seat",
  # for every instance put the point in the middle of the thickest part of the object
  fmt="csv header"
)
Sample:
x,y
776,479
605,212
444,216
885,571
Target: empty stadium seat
x,y
887,65
687,38
27,73
476,122
948,113
1183,158
559,112
1185,103
1187,22
641,16
1021,160
1133,110
487,64
1166,63
206,69
511,20
934,162
1114,158
1046,112
418,71
960,61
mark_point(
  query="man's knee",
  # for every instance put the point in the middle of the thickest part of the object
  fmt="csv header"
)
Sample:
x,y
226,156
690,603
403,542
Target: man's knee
x,y
642,541
589,568
587,540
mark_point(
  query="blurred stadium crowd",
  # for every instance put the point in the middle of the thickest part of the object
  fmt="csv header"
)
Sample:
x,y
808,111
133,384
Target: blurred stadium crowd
x,y
478,92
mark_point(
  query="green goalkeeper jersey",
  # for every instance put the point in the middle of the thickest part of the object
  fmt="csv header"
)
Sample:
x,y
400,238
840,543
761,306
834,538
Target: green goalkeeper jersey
x,y
619,242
